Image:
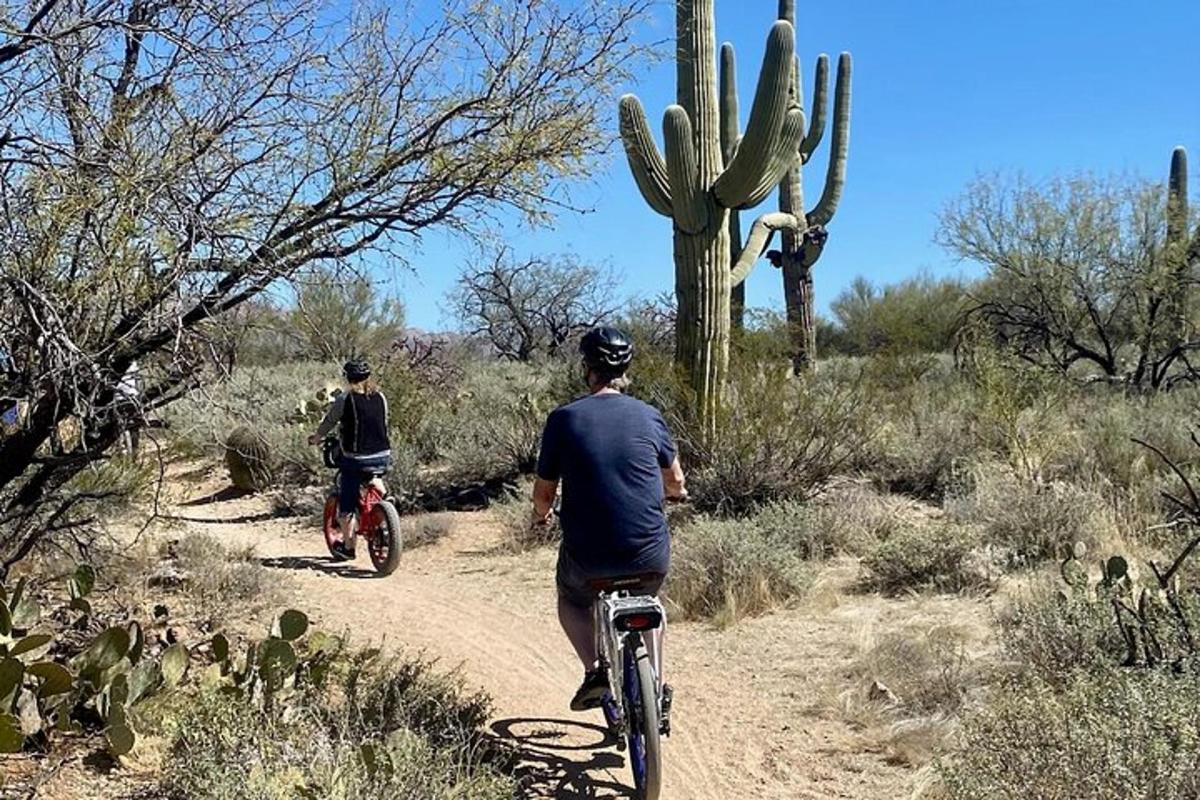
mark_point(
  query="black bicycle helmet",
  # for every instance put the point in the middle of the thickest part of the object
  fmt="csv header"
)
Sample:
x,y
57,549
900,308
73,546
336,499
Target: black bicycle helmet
x,y
606,350
357,369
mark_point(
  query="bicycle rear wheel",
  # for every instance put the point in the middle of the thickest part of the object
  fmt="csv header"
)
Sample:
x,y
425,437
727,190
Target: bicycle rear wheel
x,y
645,744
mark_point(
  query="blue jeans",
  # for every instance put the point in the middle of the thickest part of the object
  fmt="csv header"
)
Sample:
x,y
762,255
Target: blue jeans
x,y
352,474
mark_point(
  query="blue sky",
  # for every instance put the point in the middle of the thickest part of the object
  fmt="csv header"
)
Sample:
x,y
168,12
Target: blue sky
x,y
942,91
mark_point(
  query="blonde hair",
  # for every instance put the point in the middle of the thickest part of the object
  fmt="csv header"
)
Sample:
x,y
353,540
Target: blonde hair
x,y
365,386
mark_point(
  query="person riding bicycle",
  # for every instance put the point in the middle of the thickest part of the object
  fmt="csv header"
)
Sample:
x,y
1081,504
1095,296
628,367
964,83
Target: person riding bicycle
x,y
617,462
360,416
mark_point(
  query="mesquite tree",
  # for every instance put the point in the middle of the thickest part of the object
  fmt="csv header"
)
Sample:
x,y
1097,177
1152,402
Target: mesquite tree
x,y
163,162
802,245
698,183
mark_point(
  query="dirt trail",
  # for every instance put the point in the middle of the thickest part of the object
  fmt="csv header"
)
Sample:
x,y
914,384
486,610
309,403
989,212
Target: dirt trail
x,y
745,724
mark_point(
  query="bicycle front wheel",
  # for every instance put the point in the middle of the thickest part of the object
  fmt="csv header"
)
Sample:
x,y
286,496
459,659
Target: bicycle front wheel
x,y
645,744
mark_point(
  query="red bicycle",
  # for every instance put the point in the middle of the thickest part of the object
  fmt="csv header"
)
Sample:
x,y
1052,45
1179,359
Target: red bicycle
x,y
377,517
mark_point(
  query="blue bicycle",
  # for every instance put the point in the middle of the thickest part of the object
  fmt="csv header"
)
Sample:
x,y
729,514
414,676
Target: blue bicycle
x,y
638,707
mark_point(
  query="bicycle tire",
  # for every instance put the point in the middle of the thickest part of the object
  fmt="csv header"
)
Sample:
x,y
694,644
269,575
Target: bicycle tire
x,y
645,743
387,534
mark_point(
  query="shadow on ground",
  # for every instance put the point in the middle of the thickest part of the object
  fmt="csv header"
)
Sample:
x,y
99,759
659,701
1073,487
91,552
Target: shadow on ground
x,y
564,759
319,564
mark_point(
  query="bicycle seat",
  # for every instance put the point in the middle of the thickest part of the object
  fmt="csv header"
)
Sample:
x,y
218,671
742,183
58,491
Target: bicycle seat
x,y
375,472
620,582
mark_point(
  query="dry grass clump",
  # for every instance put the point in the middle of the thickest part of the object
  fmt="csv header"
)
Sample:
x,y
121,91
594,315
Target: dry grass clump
x,y
1030,520
907,686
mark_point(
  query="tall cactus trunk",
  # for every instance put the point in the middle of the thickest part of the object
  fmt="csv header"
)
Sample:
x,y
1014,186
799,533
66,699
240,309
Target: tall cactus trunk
x,y
1177,246
702,288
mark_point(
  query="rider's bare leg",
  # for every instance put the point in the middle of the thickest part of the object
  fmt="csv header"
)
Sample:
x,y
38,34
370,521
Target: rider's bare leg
x,y
578,625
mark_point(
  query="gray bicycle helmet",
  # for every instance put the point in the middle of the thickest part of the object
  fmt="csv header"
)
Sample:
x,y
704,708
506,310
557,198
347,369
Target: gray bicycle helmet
x,y
357,369
606,350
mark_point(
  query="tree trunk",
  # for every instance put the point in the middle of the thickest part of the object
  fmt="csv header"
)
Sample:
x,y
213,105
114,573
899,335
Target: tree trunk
x,y
702,287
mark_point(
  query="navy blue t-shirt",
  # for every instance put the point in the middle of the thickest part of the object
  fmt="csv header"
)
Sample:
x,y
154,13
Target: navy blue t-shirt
x,y
609,450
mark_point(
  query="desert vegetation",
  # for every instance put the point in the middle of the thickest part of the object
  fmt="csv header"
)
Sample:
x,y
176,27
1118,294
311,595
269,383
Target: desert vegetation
x,y
190,193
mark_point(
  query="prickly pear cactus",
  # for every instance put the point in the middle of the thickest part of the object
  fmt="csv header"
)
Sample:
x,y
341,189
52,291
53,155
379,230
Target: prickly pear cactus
x,y
248,459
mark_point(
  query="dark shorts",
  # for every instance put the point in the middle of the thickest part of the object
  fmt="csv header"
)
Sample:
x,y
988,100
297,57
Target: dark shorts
x,y
575,583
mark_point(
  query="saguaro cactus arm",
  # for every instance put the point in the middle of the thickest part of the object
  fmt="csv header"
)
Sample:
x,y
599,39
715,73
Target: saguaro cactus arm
x,y
731,132
835,178
760,238
691,210
820,110
647,164
773,133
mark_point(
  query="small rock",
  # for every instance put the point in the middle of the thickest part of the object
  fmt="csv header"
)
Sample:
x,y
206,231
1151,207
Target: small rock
x,y
880,693
167,576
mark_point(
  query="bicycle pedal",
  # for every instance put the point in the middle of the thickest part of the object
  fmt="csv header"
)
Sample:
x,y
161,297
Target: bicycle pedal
x,y
664,719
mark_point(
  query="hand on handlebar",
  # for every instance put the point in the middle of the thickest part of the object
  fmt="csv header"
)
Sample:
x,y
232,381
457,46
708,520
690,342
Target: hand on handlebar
x,y
314,439
679,499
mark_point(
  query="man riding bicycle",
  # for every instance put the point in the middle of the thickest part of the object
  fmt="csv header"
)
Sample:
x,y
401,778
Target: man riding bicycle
x,y
360,415
616,462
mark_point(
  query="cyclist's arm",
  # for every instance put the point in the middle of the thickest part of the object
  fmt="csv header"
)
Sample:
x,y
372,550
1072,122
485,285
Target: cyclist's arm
x,y
332,417
674,483
544,492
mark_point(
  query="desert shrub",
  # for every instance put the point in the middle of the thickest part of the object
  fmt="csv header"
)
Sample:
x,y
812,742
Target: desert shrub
x,y
849,520
726,569
1051,632
390,730
212,575
495,427
425,530
282,404
1128,734
853,517
933,555
519,534
778,438
1030,520
923,435
920,314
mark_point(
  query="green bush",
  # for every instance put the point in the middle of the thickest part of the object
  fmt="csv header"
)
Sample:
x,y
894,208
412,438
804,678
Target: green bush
x,y
778,438
726,569
935,555
1052,632
495,427
281,404
923,436
1128,734
391,732
920,314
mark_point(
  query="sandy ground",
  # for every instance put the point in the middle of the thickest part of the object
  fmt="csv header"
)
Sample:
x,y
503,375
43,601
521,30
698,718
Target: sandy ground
x,y
748,718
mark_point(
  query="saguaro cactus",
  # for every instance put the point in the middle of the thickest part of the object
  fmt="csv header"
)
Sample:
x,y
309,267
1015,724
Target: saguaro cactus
x,y
803,244
1182,255
699,182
